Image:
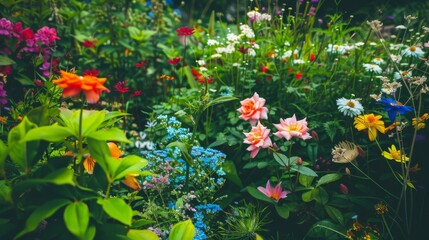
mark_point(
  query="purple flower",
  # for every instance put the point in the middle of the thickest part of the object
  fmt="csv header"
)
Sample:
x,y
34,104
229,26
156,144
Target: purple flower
x,y
6,27
3,95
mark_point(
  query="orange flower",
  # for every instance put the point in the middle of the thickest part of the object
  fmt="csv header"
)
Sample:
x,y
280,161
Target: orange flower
x,y
74,84
114,150
89,164
131,181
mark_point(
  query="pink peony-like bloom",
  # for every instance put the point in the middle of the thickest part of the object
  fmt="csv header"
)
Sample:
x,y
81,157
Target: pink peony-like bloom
x,y
274,193
257,138
47,36
290,127
253,109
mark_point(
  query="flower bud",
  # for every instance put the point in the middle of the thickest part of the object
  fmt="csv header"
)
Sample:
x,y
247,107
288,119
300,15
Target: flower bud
x,y
344,189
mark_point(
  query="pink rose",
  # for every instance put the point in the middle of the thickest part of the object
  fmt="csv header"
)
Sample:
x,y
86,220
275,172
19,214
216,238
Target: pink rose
x,y
257,138
290,127
253,109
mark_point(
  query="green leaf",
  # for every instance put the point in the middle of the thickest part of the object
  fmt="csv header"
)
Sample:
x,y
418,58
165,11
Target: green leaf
x,y
101,153
135,234
76,218
332,128
117,209
258,194
219,100
41,213
6,61
281,159
231,173
182,231
258,237
334,214
91,120
111,134
5,193
22,153
52,133
184,149
305,180
283,211
3,154
39,116
140,35
331,177
130,164
312,151
304,170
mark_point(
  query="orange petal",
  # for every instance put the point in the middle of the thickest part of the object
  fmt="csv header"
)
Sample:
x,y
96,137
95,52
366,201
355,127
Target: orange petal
x,y
131,182
114,150
89,164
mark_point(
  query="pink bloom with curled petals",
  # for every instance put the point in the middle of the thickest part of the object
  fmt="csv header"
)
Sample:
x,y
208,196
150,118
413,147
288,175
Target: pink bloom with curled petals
x,y
274,193
257,138
290,127
253,109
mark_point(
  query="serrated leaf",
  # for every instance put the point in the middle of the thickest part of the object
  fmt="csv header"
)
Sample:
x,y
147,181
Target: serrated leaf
x,y
76,218
117,209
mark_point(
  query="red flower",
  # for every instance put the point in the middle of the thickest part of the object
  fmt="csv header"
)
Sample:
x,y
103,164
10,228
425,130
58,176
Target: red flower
x,y
120,87
5,70
91,72
140,64
312,57
174,61
136,93
200,77
28,33
184,31
298,75
243,50
264,68
89,44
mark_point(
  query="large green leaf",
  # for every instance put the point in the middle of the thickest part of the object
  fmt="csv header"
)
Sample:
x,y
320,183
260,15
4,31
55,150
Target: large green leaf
x,y
52,133
76,218
331,177
41,213
140,35
281,159
135,234
100,152
231,173
130,164
110,134
22,153
283,211
334,214
91,121
117,209
305,180
182,231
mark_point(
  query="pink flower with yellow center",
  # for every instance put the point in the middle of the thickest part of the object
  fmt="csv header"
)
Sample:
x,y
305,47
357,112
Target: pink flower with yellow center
x,y
274,193
290,127
253,109
257,138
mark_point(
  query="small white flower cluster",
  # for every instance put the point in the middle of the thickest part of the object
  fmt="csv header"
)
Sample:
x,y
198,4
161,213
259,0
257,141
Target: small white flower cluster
x,y
258,17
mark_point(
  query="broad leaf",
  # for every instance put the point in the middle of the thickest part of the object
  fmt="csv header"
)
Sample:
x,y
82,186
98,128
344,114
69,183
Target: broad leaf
x,y
41,213
331,177
130,164
5,60
111,134
231,173
182,231
259,195
140,35
117,209
304,170
334,214
52,133
76,218
100,152
281,159
283,211
305,180
135,234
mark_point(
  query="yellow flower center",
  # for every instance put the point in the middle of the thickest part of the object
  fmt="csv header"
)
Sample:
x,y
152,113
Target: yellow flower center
x,y
412,48
351,104
275,196
404,73
371,119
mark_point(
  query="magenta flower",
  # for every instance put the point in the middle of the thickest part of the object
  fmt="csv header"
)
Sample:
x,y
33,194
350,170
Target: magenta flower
x,y
6,27
47,36
290,127
121,87
257,138
184,31
253,109
274,193
174,61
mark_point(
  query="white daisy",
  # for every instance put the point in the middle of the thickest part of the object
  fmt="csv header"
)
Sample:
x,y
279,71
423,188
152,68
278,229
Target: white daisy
x,y
402,74
413,51
350,107
373,68
378,61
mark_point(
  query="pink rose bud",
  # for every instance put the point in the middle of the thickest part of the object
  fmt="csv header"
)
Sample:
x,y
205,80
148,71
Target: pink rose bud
x,y
299,161
314,135
347,170
361,152
344,189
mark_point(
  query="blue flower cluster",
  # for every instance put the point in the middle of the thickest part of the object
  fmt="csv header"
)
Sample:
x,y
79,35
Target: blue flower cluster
x,y
174,130
200,226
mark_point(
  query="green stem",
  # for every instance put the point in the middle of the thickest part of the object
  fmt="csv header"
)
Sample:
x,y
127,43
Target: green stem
x,y
109,185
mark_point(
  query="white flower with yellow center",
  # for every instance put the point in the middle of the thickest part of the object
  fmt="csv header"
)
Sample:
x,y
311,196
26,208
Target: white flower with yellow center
x,y
349,107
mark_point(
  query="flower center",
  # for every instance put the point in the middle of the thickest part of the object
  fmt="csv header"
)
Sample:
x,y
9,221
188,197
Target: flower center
x,y
412,48
351,104
396,155
275,196
404,73
371,119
